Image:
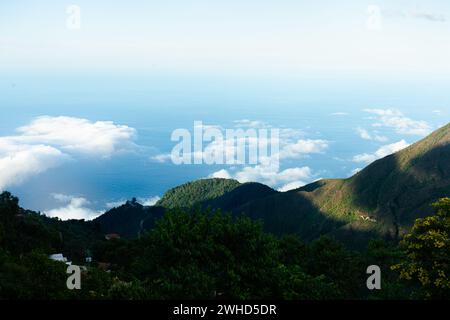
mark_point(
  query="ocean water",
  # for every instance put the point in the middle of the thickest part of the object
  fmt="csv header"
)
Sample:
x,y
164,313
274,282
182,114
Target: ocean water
x,y
156,103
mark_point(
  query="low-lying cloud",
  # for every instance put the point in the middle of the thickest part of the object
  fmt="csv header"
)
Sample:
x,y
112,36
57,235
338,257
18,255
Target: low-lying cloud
x,y
72,208
381,152
47,142
394,119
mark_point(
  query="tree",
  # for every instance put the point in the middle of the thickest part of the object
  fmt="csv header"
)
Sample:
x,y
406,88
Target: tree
x,y
428,253
207,255
328,257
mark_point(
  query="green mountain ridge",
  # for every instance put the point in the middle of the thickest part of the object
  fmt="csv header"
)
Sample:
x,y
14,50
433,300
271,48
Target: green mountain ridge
x,y
192,193
382,200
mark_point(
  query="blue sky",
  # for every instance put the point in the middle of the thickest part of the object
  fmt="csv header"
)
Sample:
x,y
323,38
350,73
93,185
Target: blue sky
x,y
90,111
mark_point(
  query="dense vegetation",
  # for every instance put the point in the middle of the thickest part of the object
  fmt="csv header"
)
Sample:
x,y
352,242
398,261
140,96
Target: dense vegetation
x,y
211,255
382,200
129,220
192,193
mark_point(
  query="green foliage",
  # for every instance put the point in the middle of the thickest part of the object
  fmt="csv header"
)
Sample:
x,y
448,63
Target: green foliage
x,y
298,285
204,254
192,193
428,253
32,276
124,220
345,269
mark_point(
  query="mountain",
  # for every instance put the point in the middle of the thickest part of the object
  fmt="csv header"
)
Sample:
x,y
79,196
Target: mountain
x,y
128,219
240,195
25,231
192,193
131,219
384,199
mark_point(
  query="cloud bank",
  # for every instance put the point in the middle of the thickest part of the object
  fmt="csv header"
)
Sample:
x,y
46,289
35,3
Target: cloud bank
x,y
47,142
381,152
394,119
72,208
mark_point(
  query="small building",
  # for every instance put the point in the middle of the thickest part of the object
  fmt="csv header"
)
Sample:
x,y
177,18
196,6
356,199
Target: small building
x,y
112,236
60,258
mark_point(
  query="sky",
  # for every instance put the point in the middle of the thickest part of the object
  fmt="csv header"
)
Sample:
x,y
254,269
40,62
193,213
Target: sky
x,y
228,36
90,91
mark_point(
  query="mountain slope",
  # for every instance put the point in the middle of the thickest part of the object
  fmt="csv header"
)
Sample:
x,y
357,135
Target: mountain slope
x,y
239,196
383,199
128,219
192,193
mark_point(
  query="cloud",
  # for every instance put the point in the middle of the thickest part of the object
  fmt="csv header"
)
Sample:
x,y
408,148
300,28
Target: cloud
x,y
417,14
269,175
289,141
364,134
115,204
355,171
151,201
162,158
222,174
47,142
430,16
246,123
394,119
75,135
302,147
20,162
381,152
73,208
291,186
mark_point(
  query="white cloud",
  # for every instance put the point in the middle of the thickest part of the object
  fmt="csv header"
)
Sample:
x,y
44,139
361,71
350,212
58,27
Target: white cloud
x,y
222,174
73,208
291,186
246,123
151,201
381,152
20,162
102,138
366,135
269,175
115,204
394,119
162,158
355,171
302,147
289,147
49,141
339,114
429,16
417,14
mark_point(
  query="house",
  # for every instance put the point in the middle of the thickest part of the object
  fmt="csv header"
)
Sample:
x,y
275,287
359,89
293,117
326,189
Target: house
x,y
60,258
112,236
